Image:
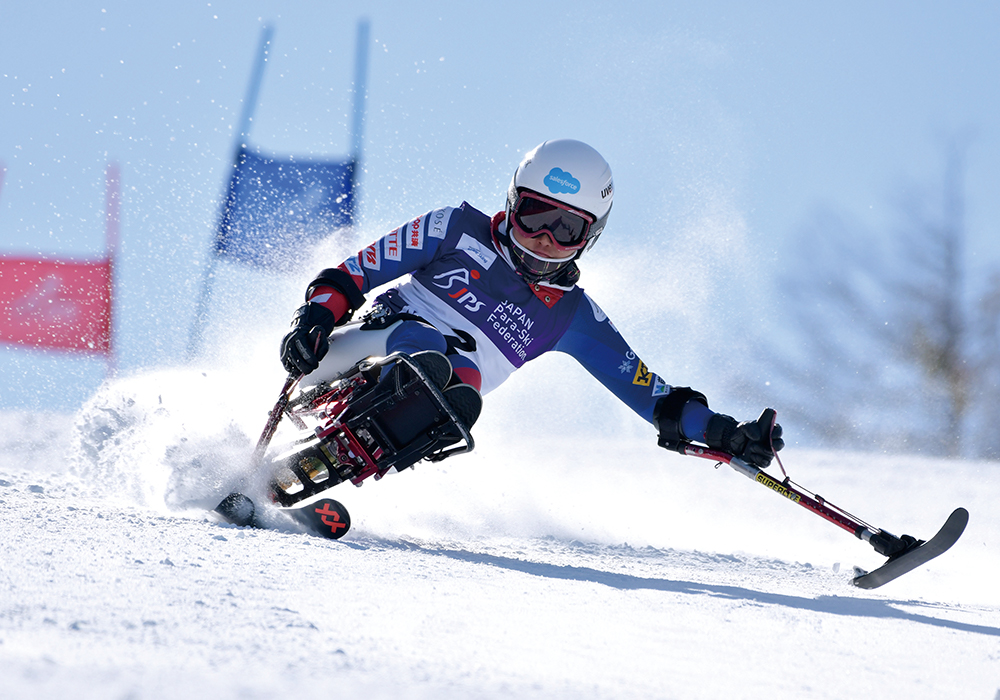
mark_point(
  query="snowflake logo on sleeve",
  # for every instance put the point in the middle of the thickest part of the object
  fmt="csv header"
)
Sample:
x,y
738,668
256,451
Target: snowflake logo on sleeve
x,y
626,366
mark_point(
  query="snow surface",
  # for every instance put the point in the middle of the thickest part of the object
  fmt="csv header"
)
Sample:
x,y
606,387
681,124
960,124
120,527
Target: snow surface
x,y
598,567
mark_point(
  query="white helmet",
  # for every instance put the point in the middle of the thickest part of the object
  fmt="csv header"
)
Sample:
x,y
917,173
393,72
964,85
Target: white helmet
x,y
561,172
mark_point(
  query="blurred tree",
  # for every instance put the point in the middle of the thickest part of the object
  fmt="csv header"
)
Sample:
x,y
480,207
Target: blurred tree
x,y
986,387
884,342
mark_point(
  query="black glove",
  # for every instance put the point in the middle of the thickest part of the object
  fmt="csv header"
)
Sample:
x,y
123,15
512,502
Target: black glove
x,y
308,341
751,441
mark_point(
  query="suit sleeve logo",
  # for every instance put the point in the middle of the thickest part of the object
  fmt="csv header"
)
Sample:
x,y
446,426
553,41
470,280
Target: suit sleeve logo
x,y
391,244
370,257
643,377
599,314
626,366
437,226
415,235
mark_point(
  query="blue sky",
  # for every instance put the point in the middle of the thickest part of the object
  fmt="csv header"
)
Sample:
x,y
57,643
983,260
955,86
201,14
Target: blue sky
x,y
726,125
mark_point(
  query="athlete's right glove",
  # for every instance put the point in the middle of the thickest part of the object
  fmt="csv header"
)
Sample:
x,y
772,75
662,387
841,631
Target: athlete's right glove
x,y
754,441
308,342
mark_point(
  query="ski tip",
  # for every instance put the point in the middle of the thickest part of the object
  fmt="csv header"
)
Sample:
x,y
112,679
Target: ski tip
x,y
236,509
960,515
956,523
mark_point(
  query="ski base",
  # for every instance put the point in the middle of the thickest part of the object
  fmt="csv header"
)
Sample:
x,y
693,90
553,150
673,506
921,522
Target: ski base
x,y
324,518
909,560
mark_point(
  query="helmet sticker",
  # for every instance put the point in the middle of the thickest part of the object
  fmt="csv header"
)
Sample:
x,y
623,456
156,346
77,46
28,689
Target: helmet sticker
x,y
561,182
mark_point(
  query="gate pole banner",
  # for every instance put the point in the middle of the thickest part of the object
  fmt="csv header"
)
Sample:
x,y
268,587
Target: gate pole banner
x,y
277,207
57,304
63,304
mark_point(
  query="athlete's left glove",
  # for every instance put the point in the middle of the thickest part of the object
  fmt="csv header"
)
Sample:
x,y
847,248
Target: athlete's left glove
x,y
756,441
308,341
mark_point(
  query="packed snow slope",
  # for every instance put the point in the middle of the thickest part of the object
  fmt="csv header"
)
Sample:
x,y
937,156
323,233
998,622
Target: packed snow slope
x,y
558,562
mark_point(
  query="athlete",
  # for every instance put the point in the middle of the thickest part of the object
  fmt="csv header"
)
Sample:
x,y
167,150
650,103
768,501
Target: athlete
x,y
485,295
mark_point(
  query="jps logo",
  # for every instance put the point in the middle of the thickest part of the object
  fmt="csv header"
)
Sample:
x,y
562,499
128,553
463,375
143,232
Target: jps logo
x,y
463,296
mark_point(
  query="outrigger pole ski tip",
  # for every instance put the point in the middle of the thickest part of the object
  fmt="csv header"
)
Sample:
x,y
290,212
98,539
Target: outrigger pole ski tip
x,y
237,508
904,553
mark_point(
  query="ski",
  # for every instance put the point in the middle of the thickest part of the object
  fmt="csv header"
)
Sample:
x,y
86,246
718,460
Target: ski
x,y
324,518
919,553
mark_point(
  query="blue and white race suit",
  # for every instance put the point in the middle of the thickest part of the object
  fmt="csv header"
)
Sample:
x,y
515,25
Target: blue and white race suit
x,y
461,281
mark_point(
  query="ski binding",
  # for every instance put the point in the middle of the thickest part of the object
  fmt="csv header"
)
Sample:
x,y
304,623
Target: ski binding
x,y
917,553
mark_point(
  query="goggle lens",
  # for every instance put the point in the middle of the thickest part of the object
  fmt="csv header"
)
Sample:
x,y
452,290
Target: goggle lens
x,y
535,215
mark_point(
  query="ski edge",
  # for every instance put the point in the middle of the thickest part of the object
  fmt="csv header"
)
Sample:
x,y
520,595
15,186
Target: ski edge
x,y
940,543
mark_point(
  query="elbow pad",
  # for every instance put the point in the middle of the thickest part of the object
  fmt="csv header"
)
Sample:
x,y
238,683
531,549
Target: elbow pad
x,y
343,283
667,415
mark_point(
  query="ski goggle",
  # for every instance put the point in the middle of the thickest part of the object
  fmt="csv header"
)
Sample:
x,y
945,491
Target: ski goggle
x,y
535,214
